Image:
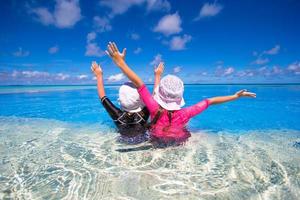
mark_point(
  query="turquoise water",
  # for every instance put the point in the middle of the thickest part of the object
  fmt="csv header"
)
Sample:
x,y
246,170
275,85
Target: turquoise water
x,y
58,142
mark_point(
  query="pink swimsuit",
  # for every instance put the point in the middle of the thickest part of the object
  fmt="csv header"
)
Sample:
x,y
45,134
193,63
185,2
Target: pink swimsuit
x,y
179,117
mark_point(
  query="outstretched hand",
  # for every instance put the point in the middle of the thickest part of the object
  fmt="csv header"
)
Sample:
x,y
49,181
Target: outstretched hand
x,y
96,69
245,93
116,56
159,69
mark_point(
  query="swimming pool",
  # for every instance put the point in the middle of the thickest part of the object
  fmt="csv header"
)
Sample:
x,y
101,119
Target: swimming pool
x,y
58,142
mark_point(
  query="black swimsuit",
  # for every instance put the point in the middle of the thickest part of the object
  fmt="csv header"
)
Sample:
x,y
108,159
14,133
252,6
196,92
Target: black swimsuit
x,y
129,124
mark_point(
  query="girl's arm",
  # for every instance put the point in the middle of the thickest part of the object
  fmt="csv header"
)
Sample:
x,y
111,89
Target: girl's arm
x,y
96,69
118,58
223,99
157,74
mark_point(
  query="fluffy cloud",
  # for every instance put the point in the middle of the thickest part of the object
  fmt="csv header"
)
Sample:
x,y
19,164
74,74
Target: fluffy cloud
x,y
176,69
119,7
92,49
158,5
221,71
178,42
102,24
116,77
82,76
65,15
33,74
91,36
209,10
62,76
134,36
228,71
169,24
261,61
21,53
294,68
53,50
137,50
157,59
273,51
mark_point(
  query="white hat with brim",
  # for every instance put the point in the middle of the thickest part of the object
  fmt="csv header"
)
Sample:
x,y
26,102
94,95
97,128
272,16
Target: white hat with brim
x,y
129,98
170,98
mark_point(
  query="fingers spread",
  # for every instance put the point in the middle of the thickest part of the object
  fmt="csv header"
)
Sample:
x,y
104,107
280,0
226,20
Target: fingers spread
x,y
110,50
115,47
107,53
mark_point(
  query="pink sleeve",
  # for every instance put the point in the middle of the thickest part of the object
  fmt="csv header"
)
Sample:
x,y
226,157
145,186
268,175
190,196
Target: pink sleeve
x,y
148,100
197,108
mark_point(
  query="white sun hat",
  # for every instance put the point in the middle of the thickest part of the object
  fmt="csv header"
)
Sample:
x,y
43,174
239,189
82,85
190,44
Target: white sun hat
x,y
129,98
169,94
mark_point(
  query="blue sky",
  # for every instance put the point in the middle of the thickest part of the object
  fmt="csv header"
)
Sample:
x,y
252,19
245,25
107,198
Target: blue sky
x,y
54,42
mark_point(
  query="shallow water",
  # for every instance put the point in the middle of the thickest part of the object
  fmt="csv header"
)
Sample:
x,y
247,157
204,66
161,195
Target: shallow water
x,y
62,146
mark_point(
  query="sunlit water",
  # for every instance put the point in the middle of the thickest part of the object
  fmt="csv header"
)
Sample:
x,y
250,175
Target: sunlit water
x,y
60,144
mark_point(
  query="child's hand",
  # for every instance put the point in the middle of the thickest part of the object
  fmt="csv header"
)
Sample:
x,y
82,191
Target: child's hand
x,y
113,52
244,93
159,69
96,69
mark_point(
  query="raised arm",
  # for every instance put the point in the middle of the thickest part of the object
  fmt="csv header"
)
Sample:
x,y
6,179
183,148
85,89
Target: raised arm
x,y
223,99
96,69
157,74
119,60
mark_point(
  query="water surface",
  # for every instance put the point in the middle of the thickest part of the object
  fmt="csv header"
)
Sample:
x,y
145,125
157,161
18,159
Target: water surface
x,y
60,144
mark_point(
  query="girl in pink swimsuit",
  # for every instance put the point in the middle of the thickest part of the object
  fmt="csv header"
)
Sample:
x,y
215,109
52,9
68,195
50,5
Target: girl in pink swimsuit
x,y
168,118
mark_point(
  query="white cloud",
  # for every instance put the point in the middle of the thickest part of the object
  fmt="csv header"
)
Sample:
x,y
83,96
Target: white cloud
x,y
62,76
273,51
134,36
21,53
158,5
82,76
169,24
261,61
157,59
43,15
221,71
35,74
245,73
65,15
53,50
137,50
294,68
228,71
178,43
176,69
116,77
276,70
102,24
92,49
209,10
91,36
120,6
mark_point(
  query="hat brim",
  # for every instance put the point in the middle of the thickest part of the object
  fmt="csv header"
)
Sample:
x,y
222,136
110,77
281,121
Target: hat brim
x,y
170,105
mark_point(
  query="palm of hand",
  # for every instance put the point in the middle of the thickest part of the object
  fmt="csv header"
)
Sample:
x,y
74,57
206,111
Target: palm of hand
x,y
114,53
96,69
245,93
